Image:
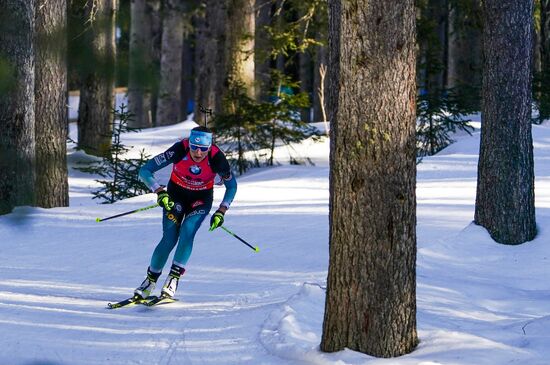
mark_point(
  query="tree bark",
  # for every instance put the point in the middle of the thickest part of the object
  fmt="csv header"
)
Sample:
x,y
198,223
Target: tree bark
x,y
188,71
505,201
52,187
262,49
154,17
545,34
169,98
140,66
433,48
371,284
96,91
17,134
211,62
542,54
464,49
241,29
225,50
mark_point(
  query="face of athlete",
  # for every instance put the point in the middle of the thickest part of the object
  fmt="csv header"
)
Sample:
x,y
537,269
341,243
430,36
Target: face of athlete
x,y
197,153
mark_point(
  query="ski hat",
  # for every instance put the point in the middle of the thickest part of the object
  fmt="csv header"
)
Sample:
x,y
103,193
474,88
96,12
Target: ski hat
x,y
201,137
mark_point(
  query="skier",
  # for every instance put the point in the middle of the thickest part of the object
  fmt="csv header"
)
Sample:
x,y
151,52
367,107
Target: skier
x,y
186,202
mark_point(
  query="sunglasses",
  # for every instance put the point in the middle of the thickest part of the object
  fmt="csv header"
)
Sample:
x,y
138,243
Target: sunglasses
x,y
195,147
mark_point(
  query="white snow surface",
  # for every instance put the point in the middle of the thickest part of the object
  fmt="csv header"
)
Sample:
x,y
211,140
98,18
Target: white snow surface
x,y
479,302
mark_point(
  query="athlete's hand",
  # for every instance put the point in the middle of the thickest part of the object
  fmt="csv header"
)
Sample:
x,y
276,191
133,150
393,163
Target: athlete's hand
x,y
163,199
216,220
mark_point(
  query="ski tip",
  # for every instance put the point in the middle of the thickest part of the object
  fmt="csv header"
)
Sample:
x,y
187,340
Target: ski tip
x,y
98,220
256,249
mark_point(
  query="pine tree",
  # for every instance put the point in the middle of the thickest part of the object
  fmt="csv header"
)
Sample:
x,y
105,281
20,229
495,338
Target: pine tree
x,y
255,128
120,173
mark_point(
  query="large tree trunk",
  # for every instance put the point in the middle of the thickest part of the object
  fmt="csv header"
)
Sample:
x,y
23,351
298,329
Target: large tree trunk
x,y
52,188
140,66
505,201
17,134
371,284
96,91
169,98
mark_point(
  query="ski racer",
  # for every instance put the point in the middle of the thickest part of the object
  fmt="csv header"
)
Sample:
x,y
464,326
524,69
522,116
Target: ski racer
x,y
186,202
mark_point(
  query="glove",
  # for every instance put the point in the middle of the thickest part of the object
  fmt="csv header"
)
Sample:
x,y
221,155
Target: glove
x,y
163,199
216,220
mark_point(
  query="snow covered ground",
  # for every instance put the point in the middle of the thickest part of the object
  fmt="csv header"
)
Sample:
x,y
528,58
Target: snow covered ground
x,y
478,302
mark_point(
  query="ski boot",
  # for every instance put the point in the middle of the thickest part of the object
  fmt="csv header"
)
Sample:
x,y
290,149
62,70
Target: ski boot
x,y
171,284
148,285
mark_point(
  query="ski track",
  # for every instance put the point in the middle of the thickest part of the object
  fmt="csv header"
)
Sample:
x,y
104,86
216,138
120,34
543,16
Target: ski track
x,y
477,301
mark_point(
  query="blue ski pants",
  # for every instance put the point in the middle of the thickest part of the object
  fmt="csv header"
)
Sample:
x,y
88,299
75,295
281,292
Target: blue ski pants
x,y
179,227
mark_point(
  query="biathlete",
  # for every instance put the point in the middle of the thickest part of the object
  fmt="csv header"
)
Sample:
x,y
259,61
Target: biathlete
x,y
186,202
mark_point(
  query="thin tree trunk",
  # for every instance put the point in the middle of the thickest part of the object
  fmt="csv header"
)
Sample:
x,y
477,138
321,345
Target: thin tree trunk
x,y
280,61
17,133
320,60
434,51
262,48
52,188
154,17
505,201
545,33
464,46
140,62
188,70
306,81
241,28
211,62
169,98
543,59
96,91
371,284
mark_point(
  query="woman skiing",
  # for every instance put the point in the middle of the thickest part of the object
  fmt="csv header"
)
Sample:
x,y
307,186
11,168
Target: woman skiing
x,y
186,201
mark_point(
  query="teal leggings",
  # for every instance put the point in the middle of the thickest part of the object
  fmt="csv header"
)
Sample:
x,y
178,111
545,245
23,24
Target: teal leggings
x,y
183,235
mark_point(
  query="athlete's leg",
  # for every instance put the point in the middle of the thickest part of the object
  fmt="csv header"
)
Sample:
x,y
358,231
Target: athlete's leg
x,y
170,232
188,229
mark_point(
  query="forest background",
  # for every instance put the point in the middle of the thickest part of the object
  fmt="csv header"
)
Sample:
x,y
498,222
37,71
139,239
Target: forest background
x,y
251,62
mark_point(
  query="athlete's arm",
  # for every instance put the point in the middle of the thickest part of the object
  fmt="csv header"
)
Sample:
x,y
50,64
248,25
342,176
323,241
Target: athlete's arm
x,y
147,171
222,168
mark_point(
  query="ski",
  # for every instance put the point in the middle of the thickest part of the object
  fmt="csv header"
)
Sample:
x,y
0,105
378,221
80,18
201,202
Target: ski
x,y
152,301
136,299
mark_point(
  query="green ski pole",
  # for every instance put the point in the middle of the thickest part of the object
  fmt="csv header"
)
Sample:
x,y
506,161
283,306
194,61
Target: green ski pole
x,y
130,212
256,249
